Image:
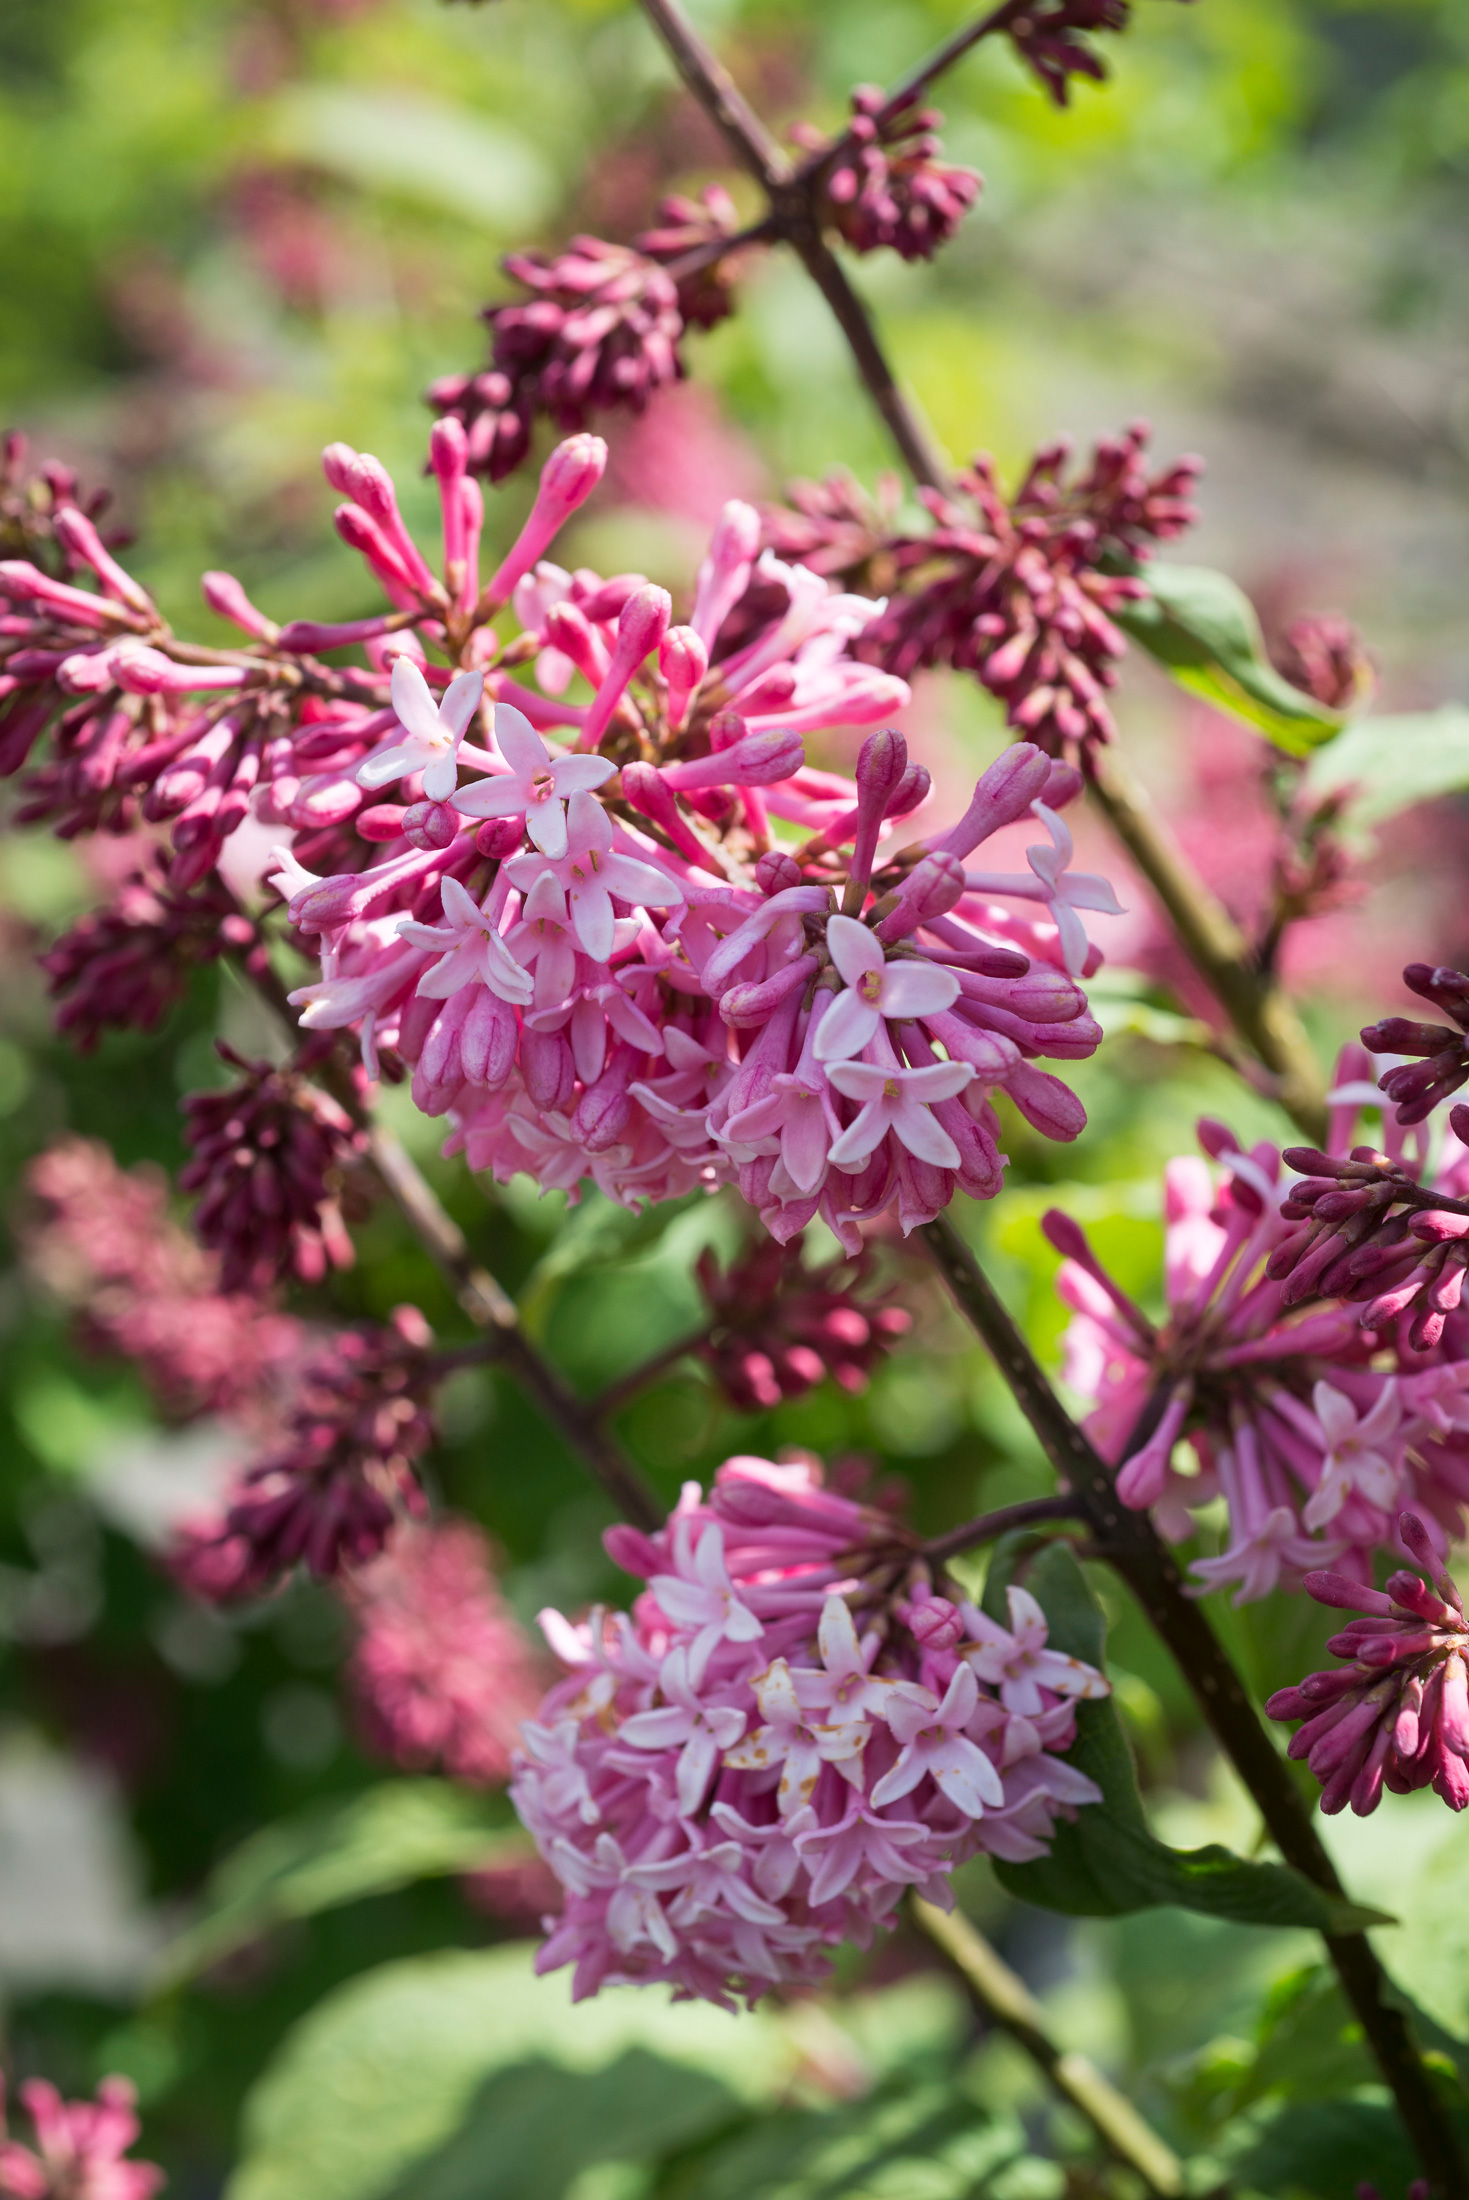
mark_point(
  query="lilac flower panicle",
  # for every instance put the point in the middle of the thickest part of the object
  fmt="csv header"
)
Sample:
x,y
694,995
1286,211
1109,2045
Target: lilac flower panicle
x,y
1441,1051
440,1673
1051,38
81,2147
329,1494
124,967
755,1763
1315,1431
270,1155
1395,1713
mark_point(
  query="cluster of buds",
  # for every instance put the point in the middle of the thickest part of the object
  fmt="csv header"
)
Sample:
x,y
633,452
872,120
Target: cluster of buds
x,y
1314,1430
1441,1064
1050,36
600,962
599,332
1396,1714
440,1673
838,530
787,1731
884,182
778,1327
29,504
1325,657
102,1241
126,966
270,1157
330,1493
80,2150
1018,590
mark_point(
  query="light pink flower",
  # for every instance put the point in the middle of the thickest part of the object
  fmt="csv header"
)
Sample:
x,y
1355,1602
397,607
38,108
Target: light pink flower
x,y
470,950
876,989
1018,1663
537,783
901,1101
699,1732
591,872
935,1746
700,1595
789,1738
433,731
1062,890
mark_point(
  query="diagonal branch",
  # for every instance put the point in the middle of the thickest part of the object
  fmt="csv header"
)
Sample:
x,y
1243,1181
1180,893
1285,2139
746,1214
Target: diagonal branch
x,y
1133,1548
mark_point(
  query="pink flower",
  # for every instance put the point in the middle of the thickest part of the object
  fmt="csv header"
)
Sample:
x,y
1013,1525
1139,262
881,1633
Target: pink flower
x,y
1062,890
790,1738
537,784
876,989
1018,1663
934,1745
901,1101
700,1732
592,871
470,950
433,732
700,1595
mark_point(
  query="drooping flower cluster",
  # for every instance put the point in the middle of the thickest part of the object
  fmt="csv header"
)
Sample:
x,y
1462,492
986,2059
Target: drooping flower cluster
x,y
1315,1431
30,501
80,2150
124,967
777,1326
1050,36
1324,656
788,1731
341,1478
1396,1715
441,1673
886,184
1018,590
270,1154
104,1244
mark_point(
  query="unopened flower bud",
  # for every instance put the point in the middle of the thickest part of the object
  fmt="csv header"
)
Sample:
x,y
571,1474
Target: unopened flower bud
x,y
430,825
881,763
776,871
934,1624
643,623
499,837
930,890
683,661
384,821
224,594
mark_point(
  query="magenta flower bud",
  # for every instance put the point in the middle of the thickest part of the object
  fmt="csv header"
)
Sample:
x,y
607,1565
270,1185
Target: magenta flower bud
x,y
759,760
911,790
726,727
881,763
384,821
1047,1105
81,540
499,837
605,1109
338,462
725,572
647,789
1067,1236
745,1005
683,661
776,872
1002,794
547,1067
25,583
637,1554
362,534
1351,1596
930,890
935,1624
149,672
641,625
430,824
311,634
224,594
568,478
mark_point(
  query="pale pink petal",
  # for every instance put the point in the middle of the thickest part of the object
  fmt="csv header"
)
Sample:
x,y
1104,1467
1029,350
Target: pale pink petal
x,y
853,948
461,701
862,1137
858,1080
518,742
577,774
413,704
924,1136
545,825
917,989
846,1027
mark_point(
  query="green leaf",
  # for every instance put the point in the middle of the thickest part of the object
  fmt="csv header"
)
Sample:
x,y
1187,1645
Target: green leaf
x,y
1395,762
406,143
1322,2148
1204,630
377,1841
1430,1950
1110,1862
929,2144
463,2076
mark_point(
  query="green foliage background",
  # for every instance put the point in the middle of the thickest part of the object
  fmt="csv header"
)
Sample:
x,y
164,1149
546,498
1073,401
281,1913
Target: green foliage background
x,y
1255,234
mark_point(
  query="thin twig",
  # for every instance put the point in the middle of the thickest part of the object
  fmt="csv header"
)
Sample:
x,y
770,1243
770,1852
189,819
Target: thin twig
x,y
943,58
1132,1546
1029,1512
1005,2000
625,1388
718,94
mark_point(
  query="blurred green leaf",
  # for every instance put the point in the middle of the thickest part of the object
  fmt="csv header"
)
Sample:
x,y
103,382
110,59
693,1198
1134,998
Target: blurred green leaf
x,y
383,1839
1323,2148
1202,627
463,2076
924,2145
434,151
1109,1861
1394,762
1430,1949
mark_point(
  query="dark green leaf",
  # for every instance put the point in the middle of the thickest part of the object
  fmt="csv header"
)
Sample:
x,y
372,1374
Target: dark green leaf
x,y
382,1839
1109,1862
1203,628
930,2144
1323,2148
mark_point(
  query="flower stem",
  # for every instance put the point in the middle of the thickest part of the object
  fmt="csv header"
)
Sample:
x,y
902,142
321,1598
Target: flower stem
x,y
624,1388
1134,1549
1005,2000
989,1526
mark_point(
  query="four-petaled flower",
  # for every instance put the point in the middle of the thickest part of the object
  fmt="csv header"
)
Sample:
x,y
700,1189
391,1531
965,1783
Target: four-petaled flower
x,y
702,1595
798,1744
877,990
1062,890
698,1731
1018,1663
470,950
591,872
897,1100
935,1745
433,731
1362,1458
538,782
845,1685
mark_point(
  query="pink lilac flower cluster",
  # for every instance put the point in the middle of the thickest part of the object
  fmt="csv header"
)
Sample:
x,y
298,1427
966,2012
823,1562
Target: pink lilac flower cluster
x,y
340,1480
30,501
885,184
124,967
441,1674
1019,590
777,1327
1314,1430
1050,36
602,964
600,330
103,1242
1324,655
80,2150
270,1155
1396,1714
788,1730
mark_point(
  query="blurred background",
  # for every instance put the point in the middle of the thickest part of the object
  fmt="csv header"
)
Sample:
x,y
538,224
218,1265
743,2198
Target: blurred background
x,y
232,233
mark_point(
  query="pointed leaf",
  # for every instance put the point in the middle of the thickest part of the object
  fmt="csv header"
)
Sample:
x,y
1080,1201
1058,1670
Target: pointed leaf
x,y
1394,762
1204,630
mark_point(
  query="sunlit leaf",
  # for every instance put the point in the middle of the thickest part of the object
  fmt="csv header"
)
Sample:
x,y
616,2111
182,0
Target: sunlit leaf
x,y
1202,627
1391,763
